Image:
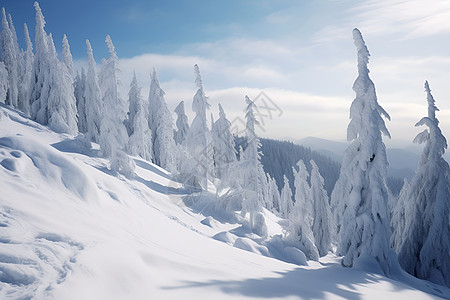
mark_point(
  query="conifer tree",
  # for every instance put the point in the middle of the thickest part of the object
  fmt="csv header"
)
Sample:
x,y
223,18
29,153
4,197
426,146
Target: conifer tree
x,y
113,134
66,55
424,243
286,202
140,141
61,103
93,98
182,124
360,196
41,72
161,125
4,83
79,87
223,141
252,201
26,72
322,225
199,141
300,218
10,57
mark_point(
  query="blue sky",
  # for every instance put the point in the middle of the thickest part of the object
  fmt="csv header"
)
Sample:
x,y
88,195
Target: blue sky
x,y
300,53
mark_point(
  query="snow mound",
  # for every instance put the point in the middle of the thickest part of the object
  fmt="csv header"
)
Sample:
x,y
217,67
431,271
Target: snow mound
x,y
251,246
28,158
225,237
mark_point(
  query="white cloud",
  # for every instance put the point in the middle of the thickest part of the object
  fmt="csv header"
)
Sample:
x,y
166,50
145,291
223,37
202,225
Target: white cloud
x,y
409,19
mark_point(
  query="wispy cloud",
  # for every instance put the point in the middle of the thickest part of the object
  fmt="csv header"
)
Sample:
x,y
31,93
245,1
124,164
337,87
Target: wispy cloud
x,y
408,19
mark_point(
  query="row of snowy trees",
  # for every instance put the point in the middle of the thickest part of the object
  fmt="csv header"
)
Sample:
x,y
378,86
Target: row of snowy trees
x,y
89,103
359,222
420,217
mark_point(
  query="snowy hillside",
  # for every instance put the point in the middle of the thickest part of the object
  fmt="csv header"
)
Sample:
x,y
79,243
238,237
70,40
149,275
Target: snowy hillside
x,y
69,229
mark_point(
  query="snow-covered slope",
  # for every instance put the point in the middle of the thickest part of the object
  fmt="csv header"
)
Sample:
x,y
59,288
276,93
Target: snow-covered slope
x,y
69,229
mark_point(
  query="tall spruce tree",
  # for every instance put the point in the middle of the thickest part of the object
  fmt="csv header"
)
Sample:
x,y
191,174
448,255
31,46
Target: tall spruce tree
x,y
360,196
424,244
182,124
140,141
10,55
26,72
93,98
113,134
322,225
223,141
161,125
252,203
300,218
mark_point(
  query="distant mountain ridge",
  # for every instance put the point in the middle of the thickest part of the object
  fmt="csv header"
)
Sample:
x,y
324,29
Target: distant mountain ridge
x,y
402,163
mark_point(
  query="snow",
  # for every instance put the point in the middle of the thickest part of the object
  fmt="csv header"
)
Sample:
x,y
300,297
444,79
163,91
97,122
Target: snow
x,y
70,229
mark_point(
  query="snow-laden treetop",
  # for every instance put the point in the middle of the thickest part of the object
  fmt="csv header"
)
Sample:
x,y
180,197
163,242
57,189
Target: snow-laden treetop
x,y
365,103
434,135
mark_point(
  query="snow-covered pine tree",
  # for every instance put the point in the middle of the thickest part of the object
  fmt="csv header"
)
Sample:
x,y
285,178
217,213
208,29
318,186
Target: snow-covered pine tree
x,y
4,83
322,225
398,216
66,55
93,98
10,55
140,141
14,35
61,103
161,125
360,196
40,72
182,124
79,88
276,200
25,76
300,219
286,202
223,141
251,181
113,134
425,243
199,140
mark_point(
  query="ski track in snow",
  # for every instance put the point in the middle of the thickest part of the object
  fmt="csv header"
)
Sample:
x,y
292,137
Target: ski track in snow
x,y
31,267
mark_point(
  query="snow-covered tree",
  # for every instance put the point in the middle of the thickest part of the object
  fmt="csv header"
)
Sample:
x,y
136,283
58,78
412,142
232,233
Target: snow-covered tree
x,y
26,72
322,226
40,86
161,125
93,98
79,88
10,56
61,103
52,97
286,202
182,124
398,216
300,219
66,55
425,242
4,83
113,134
140,141
251,181
360,196
275,198
14,34
199,141
223,141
